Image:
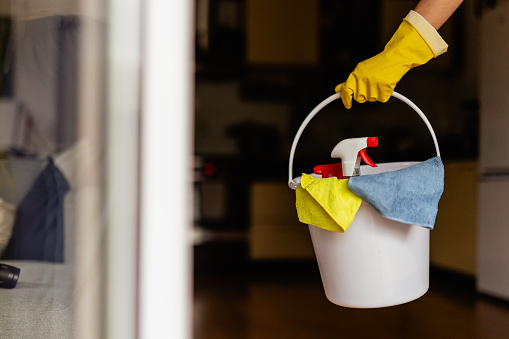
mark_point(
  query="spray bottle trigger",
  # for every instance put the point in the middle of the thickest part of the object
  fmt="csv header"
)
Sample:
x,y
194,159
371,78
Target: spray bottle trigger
x,y
367,160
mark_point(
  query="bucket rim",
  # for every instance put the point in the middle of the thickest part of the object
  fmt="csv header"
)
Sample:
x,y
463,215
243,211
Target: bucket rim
x,y
296,181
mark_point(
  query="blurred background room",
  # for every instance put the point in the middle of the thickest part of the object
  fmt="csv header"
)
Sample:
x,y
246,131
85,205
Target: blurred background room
x,y
261,67
147,142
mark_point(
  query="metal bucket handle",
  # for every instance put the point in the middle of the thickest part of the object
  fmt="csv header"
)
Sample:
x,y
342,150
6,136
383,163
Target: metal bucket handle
x,y
293,184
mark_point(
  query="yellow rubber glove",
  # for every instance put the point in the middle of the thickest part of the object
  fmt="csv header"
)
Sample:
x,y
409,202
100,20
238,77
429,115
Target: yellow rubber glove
x,y
414,43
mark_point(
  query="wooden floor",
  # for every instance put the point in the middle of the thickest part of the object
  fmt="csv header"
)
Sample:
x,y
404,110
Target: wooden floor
x,y
238,299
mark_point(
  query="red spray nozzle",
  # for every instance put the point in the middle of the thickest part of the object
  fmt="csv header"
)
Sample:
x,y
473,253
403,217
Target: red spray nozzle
x,y
372,142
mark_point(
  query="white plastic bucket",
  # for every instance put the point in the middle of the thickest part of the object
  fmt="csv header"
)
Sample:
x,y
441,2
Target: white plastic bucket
x,y
376,262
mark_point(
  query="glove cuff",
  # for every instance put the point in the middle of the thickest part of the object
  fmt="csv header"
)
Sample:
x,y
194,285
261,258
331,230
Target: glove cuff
x,y
428,33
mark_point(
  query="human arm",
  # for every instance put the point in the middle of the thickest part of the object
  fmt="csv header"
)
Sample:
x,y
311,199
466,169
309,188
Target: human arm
x,y
415,42
437,12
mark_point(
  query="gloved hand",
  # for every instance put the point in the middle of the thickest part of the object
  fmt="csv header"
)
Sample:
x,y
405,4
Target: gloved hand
x,y
375,79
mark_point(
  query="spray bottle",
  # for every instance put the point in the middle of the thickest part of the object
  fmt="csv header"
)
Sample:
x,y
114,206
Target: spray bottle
x,y
351,151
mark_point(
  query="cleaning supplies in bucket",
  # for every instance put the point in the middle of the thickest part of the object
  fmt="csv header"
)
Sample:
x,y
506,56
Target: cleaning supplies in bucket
x,y
373,253
408,195
327,202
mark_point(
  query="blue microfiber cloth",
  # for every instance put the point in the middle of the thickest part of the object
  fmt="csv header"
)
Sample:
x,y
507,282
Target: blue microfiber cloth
x,y
409,195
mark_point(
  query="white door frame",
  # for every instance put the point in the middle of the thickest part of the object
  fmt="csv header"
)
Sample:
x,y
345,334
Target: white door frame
x,y
165,296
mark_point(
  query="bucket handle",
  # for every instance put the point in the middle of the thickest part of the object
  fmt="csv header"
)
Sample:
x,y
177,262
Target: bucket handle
x,y
330,99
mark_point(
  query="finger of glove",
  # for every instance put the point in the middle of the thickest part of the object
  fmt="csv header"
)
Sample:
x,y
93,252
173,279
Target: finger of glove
x,y
345,94
361,93
373,90
360,97
372,94
346,97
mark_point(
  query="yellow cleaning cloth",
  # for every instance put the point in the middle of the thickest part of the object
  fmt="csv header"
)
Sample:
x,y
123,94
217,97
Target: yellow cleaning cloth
x,y
327,203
